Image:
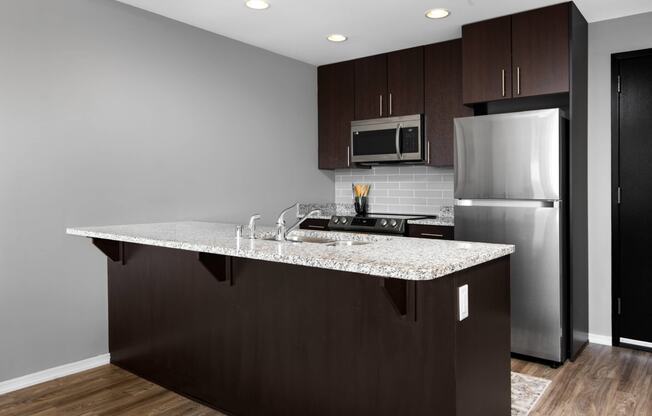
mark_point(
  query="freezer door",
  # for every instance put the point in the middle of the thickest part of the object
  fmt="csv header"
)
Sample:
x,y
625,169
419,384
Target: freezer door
x,y
536,266
508,156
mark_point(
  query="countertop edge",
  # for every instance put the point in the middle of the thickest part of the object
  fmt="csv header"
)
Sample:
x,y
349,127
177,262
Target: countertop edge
x,y
384,271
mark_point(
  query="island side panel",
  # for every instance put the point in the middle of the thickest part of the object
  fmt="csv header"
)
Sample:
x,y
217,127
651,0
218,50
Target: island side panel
x,y
483,341
283,339
322,342
170,321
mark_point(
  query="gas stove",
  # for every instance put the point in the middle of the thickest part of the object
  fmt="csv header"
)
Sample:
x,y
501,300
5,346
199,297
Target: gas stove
x,y
374,223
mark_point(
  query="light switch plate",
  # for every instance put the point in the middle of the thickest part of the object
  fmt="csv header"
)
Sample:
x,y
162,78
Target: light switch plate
x,y
463,301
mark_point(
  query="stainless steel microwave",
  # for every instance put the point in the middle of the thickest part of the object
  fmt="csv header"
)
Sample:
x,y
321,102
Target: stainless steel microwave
x,y
390,139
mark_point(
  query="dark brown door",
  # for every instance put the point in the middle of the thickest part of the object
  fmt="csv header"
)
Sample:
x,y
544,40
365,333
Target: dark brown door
x,y
371,87
405,82
540,51
443,99
487,60
435,232
336,111
634,128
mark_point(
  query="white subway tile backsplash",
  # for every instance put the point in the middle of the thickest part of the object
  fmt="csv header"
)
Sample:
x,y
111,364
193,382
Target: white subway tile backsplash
x,y
386,200
402,192
428,194
414,185
441,186
399,189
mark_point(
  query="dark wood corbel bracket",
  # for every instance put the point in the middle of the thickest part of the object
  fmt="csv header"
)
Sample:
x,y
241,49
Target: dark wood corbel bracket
x,y
110,248
219,266
403,296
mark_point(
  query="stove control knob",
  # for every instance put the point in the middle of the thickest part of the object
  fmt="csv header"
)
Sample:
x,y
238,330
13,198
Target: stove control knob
x,y
393,223
336,220
383,222
344,220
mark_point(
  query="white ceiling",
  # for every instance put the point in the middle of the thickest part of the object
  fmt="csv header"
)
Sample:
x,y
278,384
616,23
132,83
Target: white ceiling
x,y
298,28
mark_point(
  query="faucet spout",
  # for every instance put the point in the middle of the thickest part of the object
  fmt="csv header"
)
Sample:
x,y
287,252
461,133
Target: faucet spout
x,y
301,220
280,222
282,231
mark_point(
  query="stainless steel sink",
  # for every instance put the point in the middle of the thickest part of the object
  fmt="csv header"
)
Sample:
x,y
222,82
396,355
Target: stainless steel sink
x,y
347,243
304,239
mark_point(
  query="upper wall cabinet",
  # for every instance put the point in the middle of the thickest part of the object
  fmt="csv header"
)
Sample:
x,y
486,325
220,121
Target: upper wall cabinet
x,y
540,51
487,60
443,99
335,112
405,82
389,84
371,87
523,55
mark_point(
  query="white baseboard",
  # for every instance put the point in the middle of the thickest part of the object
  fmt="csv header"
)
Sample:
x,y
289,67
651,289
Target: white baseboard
x,y
636,342
53,373
600,339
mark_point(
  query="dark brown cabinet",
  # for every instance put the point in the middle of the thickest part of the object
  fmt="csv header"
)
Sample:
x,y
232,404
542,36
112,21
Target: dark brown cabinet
x,y
437,232
523,55
540,51
405,82
487,60
389,84
443,99
371,87
336,111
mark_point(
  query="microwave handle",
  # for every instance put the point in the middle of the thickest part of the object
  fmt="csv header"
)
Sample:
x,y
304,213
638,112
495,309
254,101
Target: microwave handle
x,y
398,142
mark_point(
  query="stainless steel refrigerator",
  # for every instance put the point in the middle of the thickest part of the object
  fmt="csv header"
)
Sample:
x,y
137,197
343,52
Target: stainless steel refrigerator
x,y
509,188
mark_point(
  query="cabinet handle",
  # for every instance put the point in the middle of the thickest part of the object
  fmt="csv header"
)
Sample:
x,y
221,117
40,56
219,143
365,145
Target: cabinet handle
x,y
381,104
348,156
502,71
432,235
428,152
390,103
318,227
518,80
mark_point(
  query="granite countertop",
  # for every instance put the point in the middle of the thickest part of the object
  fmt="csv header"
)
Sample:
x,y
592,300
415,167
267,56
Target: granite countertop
x,y
386,256
444,221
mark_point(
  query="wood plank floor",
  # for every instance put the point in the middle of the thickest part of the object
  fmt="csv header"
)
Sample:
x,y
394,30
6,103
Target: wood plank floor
x,y
603,381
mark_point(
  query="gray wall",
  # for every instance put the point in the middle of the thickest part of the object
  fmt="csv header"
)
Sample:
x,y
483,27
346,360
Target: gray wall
x,y
109,114
606,37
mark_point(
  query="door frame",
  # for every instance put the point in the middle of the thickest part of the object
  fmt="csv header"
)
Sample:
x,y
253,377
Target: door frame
x,y
616,58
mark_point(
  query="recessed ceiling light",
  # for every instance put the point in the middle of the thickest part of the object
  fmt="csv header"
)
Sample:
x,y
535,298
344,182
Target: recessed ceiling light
x,y
437,13
336,37
257,4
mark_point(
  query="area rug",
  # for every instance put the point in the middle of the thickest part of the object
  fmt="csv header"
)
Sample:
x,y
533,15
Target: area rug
x,y
526,392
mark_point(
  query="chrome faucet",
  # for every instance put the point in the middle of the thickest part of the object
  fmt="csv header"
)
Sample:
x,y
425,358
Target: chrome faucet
x,y
282,231
252,225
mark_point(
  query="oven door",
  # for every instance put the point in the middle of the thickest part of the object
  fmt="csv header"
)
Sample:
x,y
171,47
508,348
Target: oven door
x,y
392,139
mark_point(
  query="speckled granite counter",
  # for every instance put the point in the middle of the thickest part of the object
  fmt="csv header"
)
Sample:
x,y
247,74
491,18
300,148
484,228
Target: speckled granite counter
x,y
395,257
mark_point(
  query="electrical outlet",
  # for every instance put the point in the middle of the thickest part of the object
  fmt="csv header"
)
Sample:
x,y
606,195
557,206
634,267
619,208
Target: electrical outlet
x,y
463,301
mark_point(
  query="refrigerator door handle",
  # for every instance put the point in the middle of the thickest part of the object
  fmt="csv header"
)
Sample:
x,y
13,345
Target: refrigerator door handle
x,y
507,203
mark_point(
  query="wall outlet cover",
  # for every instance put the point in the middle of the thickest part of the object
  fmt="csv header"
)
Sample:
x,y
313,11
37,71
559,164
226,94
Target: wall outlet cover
x,y
463,301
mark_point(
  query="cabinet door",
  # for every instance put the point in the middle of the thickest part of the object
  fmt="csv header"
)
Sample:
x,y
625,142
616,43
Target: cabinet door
x,y
371,87
436,232
443,99
487,60
540,51
335,101
405,82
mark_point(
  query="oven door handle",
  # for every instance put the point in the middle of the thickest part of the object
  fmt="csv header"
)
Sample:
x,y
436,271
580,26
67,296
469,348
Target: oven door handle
x,y
398,142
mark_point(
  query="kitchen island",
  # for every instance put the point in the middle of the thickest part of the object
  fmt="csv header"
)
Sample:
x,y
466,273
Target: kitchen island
x,y
257,327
